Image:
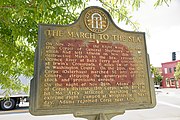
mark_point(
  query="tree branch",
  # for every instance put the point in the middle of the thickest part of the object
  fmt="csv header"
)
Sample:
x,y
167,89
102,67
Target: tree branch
x,y
116,10
7,7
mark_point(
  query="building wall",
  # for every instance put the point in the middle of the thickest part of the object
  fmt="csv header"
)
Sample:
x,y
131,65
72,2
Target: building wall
x,y
168,70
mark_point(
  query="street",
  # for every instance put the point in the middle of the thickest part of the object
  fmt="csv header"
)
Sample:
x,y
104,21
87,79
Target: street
x,y
167,108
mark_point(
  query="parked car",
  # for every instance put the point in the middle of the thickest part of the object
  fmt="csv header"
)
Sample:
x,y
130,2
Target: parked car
x,y
157,86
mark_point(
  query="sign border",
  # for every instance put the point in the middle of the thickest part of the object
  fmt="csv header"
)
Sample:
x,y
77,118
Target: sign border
x,y
34,93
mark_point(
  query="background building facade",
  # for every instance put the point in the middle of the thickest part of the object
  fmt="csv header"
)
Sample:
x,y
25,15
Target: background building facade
x,y
168,70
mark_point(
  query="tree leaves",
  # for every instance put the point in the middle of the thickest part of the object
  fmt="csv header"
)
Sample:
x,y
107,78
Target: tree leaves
x,y
19,21
161,2
177,73
122,9
156,74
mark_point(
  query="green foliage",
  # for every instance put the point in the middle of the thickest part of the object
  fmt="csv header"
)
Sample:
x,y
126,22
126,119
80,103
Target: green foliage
x,y
156,74
161,2
19,21
177,73
122,9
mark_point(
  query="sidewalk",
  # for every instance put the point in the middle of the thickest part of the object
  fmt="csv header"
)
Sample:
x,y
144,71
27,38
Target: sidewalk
x,y
168,91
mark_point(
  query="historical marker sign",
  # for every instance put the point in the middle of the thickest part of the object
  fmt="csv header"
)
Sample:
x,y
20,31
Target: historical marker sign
x,y
91,65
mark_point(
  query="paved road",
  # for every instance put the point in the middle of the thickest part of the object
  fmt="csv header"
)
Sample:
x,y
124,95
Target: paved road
x,y
18,110
23,108
168,108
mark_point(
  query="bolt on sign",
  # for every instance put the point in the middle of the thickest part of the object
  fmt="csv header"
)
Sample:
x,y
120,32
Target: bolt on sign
x,y
91,68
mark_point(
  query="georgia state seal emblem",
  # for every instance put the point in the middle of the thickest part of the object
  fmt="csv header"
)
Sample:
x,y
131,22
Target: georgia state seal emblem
x,y
96,21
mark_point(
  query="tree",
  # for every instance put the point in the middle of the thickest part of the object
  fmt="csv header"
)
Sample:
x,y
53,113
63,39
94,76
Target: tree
x,y
19,21
156,75
177,73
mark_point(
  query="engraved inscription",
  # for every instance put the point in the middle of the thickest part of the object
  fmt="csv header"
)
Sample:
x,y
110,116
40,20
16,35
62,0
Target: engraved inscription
x,y
90,65
84,73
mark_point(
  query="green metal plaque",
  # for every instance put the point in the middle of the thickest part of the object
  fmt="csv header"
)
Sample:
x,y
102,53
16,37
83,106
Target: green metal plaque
x,y
90,67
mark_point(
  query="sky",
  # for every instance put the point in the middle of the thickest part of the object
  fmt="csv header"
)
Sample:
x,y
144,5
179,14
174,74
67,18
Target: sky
x,y
162,28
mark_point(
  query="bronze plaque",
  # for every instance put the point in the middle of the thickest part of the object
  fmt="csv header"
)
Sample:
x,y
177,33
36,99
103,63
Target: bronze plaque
x,y
90,65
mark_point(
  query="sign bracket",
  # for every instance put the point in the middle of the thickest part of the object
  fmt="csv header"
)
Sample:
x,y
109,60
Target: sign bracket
x,y
99,115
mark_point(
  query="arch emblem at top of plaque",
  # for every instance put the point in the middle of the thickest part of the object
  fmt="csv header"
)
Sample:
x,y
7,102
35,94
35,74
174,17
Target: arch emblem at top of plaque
x,y
96,20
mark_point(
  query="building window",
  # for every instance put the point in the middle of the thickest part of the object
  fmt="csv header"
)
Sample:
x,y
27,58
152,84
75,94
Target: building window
x,y
170,71
167,82
173,82
165,70
174,69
